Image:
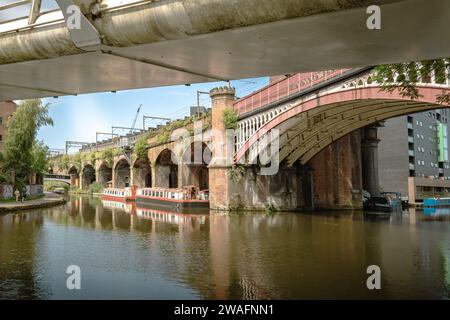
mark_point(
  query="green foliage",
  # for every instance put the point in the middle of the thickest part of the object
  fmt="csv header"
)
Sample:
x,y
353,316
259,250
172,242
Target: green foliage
x,y
76,161
64,162
84,156
141,146
89,157
116,152
52,185
59,162
4,178
107,155
236,172
77,190
230,118
21,154
163,137
95,187
39,154
270,208
411,73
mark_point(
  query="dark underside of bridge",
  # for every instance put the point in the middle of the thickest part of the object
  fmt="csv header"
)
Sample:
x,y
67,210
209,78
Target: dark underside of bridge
x,y
333,179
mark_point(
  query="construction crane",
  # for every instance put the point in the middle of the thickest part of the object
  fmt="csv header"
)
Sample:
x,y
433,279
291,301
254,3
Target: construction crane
x,y
135,118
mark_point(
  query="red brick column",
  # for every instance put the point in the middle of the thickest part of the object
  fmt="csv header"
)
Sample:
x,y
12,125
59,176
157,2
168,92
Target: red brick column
x,y
222,152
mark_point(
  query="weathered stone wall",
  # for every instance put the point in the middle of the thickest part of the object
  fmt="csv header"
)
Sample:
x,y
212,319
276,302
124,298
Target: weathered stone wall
x,y
254,191
336,182
337,176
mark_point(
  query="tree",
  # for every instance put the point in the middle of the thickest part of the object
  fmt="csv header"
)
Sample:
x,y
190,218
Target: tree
x,y
407,75
21,155
39,154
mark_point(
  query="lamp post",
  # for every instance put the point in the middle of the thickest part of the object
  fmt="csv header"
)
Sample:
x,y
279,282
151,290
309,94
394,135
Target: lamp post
x,y
198,100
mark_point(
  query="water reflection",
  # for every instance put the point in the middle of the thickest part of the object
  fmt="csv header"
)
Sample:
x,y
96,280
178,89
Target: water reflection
x,y
130,252
436,213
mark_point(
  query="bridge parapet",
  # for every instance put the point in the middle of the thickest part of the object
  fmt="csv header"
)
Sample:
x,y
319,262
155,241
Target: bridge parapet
x,y
58,177
281,89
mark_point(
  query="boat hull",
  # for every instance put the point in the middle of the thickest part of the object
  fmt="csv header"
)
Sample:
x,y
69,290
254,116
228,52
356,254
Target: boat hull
x,y
118,199
436,202
173,205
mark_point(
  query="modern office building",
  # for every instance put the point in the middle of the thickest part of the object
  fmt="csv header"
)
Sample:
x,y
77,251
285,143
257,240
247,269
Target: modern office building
x,y
413,155
6,111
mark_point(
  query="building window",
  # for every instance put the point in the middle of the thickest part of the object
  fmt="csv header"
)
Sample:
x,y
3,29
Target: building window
x,y
1,137
1,120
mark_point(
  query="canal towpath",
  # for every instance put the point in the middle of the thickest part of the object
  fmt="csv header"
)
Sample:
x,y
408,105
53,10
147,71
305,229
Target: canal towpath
x,y
50,199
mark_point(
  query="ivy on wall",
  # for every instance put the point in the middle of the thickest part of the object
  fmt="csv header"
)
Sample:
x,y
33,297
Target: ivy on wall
x,y
230,118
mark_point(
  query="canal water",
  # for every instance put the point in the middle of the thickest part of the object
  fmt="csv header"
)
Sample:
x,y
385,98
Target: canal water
x,y
127,252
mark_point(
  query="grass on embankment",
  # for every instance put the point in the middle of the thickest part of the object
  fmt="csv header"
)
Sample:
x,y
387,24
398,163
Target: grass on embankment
x,y
93,188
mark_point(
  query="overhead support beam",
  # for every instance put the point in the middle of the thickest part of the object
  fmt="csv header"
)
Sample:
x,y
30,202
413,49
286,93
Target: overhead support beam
x,y
51,92
84,35
34,11
14,4
164,65
55,152
113,128
97,134
145,118
76,144
174,42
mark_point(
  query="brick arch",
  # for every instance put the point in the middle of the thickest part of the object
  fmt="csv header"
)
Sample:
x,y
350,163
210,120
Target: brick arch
x,y
121,172
103,172
101,163
154,152
195,160
119,159
356,102
166,169
141,172
88,175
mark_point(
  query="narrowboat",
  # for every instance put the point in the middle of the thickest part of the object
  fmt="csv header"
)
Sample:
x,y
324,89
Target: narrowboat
x,y
386,202
175,199
436,202
119,194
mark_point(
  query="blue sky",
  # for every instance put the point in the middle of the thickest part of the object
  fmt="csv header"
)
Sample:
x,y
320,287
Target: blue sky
x,y
80,117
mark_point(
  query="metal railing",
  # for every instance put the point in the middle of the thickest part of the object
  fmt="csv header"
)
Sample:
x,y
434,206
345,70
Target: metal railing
x,y
33,7
283,88
15,11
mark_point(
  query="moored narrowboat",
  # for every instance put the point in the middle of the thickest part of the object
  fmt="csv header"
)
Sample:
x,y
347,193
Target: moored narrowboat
x,y
436,202
177,199
119,194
